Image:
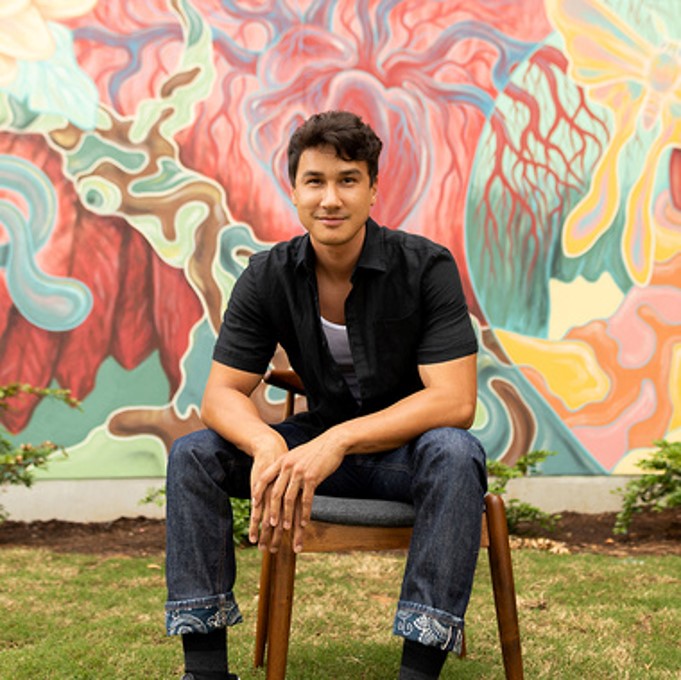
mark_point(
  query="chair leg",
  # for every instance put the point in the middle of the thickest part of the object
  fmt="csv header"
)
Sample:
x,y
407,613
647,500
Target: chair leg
x,y
263,609
281,603
503,585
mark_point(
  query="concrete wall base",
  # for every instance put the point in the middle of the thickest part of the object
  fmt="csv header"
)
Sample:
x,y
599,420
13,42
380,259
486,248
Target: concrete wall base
x,y
104,500
82,500
569,494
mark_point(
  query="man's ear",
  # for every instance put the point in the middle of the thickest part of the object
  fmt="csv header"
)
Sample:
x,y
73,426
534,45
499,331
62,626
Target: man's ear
x,y
374,190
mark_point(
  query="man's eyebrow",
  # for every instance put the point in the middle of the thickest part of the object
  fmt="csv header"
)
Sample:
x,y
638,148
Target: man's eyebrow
x,y
342,173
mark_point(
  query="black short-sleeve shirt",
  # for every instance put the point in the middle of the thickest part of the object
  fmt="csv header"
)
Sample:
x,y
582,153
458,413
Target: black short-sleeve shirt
x,y
406,308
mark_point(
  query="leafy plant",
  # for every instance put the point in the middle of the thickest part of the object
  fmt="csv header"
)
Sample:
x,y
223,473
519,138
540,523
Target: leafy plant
x,y
241,512
657,490
155,496
519,512
17,462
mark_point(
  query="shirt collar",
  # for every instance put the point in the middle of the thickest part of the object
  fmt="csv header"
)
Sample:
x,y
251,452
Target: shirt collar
x,y
373,251
371,257
304,256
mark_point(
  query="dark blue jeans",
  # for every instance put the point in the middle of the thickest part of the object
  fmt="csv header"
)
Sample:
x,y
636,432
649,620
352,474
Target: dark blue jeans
x,y
442,473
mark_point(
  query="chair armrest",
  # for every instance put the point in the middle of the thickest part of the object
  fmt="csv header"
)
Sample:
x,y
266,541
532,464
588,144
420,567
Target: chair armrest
x,y
286,379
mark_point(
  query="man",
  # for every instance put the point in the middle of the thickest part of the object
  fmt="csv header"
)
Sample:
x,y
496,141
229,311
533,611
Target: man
x,y
375,323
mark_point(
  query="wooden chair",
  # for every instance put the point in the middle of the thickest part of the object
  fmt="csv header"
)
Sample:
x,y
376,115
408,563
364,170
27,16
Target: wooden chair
x,y
369,525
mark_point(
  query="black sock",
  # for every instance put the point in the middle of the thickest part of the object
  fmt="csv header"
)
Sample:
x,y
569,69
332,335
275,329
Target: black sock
x,y
421,662
205,654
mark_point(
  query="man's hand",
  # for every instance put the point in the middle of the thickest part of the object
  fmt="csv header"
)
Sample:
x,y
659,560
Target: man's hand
x,y
286,488
228,409
266,452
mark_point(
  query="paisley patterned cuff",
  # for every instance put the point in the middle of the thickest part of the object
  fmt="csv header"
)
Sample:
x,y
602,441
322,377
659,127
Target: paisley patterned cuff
x,y
429,626
201,615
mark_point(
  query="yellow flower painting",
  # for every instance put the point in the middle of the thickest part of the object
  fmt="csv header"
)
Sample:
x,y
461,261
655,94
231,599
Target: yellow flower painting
x,y
639,81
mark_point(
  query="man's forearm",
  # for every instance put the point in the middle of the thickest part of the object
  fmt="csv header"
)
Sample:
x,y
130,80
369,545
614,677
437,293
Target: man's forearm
x,y
403,421
448,399
235,417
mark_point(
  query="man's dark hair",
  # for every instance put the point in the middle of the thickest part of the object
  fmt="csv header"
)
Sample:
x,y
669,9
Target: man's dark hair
x,y
352,139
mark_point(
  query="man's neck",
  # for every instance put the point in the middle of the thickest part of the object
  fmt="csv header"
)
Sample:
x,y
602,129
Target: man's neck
x,y
338,261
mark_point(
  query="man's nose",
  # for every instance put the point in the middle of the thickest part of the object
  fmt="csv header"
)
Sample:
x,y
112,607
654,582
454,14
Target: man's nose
x,y
330,197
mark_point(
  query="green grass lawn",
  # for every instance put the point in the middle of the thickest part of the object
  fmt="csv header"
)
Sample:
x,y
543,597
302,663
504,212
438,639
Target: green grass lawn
x,y
582,616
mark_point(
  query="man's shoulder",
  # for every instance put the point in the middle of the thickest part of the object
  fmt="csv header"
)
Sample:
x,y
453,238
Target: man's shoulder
x,y
410,242
280,254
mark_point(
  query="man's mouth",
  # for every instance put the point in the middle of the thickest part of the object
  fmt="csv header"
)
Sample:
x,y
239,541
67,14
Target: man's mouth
x,y
330,219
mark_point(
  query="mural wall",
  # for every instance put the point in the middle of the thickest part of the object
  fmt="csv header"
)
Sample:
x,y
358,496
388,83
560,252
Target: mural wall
x,y
142,160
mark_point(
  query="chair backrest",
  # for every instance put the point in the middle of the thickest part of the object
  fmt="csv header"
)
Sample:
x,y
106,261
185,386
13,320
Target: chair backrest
x,y
288,380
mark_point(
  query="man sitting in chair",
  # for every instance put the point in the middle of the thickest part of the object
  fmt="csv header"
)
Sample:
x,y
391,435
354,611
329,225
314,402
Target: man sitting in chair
x,y
375,323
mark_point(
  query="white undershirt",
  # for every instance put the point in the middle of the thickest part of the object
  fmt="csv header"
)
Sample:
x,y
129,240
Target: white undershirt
x,y
339,346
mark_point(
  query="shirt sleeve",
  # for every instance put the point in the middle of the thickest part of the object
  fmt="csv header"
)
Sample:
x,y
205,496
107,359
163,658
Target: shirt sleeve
x,y
246,340
447,329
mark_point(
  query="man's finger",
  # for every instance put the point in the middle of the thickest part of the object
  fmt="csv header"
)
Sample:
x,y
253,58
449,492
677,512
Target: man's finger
x,y
307,497
254,524
259,522
298,528
275,537
265,537
277,491
263,481
290,503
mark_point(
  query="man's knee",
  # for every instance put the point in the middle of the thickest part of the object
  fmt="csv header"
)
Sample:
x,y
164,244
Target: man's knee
x,y
196,450
453,451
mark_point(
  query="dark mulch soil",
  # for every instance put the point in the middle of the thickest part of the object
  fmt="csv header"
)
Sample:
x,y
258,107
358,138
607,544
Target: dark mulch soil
x,y
128,536
650,534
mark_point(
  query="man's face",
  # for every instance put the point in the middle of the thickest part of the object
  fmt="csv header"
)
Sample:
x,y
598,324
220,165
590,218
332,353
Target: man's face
x,y
333,197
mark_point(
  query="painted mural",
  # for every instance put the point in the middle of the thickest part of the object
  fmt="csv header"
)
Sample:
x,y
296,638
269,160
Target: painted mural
x,y
142,160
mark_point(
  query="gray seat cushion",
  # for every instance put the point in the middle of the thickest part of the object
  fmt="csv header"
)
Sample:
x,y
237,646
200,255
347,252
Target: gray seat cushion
x,y
362,512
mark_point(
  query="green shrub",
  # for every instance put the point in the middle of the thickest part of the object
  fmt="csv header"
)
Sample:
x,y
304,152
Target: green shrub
x,y
17,462
241,511
154,496
657,490
519,512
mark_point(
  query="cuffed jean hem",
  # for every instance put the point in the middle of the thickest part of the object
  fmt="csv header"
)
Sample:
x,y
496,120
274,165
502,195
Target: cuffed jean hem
x,y
429,626
201,615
